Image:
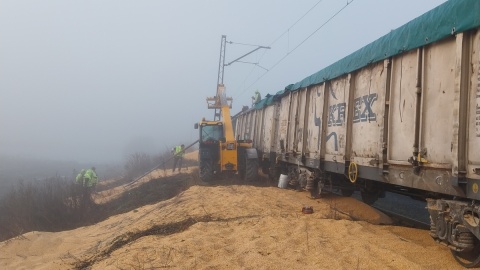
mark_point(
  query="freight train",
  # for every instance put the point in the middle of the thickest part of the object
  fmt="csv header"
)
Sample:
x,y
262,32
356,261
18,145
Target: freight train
x,y
401,114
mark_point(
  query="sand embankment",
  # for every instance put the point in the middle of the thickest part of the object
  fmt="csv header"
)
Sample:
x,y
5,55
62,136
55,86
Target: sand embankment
x,y
234,227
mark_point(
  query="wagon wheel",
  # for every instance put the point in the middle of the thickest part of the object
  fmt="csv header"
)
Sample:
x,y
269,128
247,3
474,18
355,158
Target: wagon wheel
x,y
469,258
352,172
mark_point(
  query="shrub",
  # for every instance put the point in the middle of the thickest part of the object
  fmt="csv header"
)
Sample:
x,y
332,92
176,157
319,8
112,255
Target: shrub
x,y
136,165
49,205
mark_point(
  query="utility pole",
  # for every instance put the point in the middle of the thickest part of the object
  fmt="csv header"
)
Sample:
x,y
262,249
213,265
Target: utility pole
x,y
221,64
220,91
221,99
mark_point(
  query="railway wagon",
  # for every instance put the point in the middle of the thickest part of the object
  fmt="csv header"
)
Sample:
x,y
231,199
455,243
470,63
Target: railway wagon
x,y
401,114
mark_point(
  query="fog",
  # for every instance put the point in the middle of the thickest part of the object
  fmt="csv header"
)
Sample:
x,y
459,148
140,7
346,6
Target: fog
x,y
92,81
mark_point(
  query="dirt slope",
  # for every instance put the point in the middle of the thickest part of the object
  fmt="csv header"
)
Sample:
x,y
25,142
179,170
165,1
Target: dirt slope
x,y
233,227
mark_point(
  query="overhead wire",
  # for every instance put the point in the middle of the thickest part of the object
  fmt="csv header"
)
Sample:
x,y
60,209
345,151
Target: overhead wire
x,y
321,26
288,30
245,44
277,39
296,47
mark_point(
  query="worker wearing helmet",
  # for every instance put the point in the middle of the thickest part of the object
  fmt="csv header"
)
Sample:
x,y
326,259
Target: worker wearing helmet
x,y
178,154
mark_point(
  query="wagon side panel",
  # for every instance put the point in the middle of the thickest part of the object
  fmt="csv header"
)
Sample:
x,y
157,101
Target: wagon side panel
x,y
402,107
338,94
438,97
292,121
283,123
368,115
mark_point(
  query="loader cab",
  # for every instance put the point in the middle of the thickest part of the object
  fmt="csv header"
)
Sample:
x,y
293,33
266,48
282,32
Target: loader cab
x,y
211,137
218,155
211,133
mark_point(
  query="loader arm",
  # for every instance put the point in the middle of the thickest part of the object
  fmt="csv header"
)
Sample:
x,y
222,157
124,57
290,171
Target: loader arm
x,y
227,124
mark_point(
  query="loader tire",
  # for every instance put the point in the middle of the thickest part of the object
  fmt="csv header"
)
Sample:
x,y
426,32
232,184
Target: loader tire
x,y
251,170
206,170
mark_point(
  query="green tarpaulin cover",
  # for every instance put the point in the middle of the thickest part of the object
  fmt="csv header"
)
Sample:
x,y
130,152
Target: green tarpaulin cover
x,y
450,18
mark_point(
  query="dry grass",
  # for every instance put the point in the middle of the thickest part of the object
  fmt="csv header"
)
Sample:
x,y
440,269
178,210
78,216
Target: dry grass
x,y
56,205
49,205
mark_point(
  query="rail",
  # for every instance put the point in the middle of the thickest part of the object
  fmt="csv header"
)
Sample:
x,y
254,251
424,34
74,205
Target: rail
x,y
404,220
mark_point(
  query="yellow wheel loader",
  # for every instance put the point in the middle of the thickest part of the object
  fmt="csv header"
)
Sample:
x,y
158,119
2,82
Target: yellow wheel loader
x,y
219,153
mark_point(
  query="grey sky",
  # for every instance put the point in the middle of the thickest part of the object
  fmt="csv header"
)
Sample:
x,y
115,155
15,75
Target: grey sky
x,y
96,80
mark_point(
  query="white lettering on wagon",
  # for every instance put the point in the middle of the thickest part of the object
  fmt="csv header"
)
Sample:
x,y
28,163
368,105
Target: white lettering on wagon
x,y
363,108
336,114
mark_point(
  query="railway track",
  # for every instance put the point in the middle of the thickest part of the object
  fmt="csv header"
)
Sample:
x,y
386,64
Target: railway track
x,y
404,220
403,210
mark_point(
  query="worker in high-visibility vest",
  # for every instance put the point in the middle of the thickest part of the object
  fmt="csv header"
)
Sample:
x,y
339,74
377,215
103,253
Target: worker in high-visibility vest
x,y
79,178
256,98
179,153
88,179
